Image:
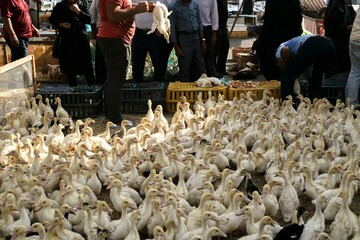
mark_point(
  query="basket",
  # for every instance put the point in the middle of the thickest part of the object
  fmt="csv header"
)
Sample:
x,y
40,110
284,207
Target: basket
x,y
135,96
236,88
235,50
80,102
190,91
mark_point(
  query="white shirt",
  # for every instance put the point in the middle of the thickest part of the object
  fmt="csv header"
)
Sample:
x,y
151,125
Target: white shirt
x,y
145,20
209,13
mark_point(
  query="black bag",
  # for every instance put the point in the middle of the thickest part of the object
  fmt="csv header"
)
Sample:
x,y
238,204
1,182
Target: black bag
x,y
57,48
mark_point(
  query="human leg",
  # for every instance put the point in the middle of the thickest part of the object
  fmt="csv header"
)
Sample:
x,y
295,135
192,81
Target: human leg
x,y
117,56
155,55
198,59
187,45
353,82
222,50
209,57
100,68
139,49
20,51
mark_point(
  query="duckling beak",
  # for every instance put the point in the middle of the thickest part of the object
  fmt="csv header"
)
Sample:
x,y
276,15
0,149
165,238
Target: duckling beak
x,y
222,234
163,235
247,200
73,210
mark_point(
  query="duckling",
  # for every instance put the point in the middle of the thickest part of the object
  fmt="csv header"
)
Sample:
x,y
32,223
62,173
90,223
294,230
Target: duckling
x,y
157,217
194,218
133,233
213,232
288,200
24,216
207,219
117,195
270,201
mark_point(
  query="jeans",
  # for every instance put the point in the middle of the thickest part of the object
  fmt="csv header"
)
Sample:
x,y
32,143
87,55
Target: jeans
x,y
117,57
19,51
353,82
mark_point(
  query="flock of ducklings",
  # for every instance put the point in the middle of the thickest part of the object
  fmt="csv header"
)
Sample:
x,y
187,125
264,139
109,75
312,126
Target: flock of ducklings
x,y
185,178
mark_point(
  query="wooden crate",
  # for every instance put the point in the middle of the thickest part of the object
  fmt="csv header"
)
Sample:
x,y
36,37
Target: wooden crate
x,y
17,83
176,90
235,50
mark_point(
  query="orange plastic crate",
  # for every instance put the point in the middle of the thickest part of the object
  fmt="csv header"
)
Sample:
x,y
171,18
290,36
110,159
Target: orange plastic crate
x,y
176,90
236,88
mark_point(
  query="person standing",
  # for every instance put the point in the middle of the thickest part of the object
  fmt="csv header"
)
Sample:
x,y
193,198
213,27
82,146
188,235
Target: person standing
x,y
100,68
188,39
115,32
70,17
338,21
17,27
210,22
223,43
282,21
353,82
153,43
297,55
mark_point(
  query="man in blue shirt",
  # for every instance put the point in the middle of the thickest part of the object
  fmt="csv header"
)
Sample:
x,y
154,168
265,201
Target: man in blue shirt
x,y
299,53
188,39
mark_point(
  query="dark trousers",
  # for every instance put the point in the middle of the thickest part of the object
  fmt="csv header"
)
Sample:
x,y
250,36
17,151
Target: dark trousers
x,y
117,57
316,51
144,43
192,60
222,50
209,56
100,68
19,51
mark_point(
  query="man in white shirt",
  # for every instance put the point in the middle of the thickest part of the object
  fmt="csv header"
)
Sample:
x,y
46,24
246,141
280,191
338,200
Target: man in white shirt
x,y
154,44
210,21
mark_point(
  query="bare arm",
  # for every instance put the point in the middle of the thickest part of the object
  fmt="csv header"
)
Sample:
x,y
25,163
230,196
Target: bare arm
x,y
116,14
9,28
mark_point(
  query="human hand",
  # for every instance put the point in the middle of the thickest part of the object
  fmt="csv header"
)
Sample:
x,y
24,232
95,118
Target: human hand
x,y
203,47
14,41
179,52
151,6
141,7
213,40
35,32
75,8
65,25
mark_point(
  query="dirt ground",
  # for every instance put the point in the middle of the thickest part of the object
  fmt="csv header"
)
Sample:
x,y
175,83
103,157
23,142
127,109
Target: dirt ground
x,y
257,178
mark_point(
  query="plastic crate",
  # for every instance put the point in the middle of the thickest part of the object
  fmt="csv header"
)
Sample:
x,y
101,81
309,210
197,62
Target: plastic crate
x,y
136,95
332,89
80,102
236,88
177,89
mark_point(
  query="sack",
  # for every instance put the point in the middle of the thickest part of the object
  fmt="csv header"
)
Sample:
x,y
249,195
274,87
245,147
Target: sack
x,y
57,48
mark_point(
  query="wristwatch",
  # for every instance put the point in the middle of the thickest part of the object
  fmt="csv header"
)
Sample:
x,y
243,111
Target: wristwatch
x,y
203,39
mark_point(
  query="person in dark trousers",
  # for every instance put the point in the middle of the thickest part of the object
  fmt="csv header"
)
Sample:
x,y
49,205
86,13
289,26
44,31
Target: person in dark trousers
x,y
188,39
282,21
210,22
100,68
223,43
299,53
143,43
115,32
338,21
70,18
17,27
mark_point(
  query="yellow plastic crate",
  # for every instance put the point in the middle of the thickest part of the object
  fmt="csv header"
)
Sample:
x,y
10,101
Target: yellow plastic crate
x,y
177,89
236,88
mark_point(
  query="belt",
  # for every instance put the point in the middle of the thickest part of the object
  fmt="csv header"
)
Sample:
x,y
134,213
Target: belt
x,y
188,33
143,30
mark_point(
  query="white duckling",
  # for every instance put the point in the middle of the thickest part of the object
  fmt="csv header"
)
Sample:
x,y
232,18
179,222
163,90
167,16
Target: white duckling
x,y
63,233
207,219
106,135
312,189
213,232
133,233
194,219
196,193
288,201
157,217
270,201
345,222
24,216
316,224
93,181
102,214
61,113
145,208
120,228
40,230
264,222
72,139
44,211
323,236
117,195
6,218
